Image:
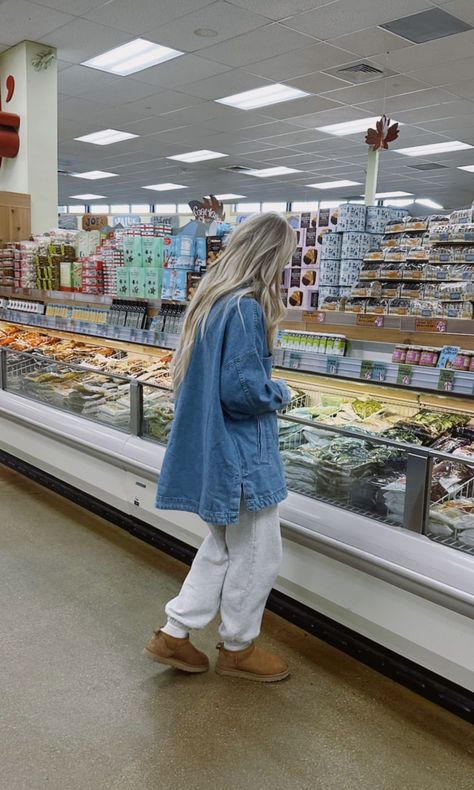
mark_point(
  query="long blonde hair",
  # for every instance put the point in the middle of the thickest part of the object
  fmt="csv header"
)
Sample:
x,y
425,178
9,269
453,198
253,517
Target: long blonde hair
x,y
251,265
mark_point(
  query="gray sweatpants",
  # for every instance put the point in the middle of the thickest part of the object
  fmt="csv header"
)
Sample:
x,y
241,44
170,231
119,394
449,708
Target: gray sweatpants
x,y
234,571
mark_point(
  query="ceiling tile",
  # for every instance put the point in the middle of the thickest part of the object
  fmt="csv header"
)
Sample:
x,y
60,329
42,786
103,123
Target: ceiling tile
x,y
278,9
419,115
303,61
231,82
462,9
21,20
446,73
291,110
179,72
257,45
464,88
139,17
371,41
346,16
376,89
80,39
162,102
443,50
227,20
317,82
74,7
409,101
267,130
99,86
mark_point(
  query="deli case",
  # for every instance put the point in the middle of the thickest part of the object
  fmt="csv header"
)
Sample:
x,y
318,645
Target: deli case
x,y
379,523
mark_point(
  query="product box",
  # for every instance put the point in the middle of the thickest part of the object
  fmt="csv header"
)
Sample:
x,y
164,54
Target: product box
x,y
309,219
132,250
183,253
349,271
331,247
201,253
153,279
329,272
328,218
351,217
137,281
297,257
192,281
65,276
309,278
175,284
213,249
376,218
300,236
295,277
355,245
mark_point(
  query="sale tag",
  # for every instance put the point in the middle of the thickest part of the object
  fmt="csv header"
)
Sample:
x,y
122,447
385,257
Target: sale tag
x,y
332,365
404,375
294,360
366,370
370,320
431,325
379,371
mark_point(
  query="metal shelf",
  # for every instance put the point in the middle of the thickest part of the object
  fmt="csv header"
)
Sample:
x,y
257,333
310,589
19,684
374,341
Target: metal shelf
x,y
406,323
68,296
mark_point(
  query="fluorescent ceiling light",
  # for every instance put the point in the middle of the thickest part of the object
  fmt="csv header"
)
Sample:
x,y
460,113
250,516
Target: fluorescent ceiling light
x,y
435,148
106,137
352,127
267,172
129,58
399,202
263,97
164,187
428,203
93,175
334,184
392,194
197,156
87,196
468,168
228,196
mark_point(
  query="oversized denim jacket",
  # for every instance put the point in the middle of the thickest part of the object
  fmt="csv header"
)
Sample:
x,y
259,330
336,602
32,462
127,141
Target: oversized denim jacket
x,y
223,443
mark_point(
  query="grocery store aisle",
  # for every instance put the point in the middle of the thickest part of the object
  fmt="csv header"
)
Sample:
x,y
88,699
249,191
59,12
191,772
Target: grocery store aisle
x,y
81,709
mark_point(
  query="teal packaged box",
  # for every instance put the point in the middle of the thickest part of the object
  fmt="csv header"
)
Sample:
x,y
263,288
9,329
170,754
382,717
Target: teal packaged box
x,y
123,281
153,279
137,282
132,251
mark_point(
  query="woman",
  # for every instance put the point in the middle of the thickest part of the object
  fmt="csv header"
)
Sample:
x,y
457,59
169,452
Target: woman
x,y
222,460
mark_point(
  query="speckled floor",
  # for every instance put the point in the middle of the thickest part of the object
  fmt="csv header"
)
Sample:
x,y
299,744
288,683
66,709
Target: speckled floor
x,y
82,709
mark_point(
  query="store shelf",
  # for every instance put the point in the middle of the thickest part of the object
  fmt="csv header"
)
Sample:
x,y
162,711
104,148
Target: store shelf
x,y
350,368
66,296
145,337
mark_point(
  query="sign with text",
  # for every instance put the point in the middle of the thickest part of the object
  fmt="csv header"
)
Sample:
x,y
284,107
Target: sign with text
x,y
332,365
94,221
404,375
318,315
446,380
369,320
431,325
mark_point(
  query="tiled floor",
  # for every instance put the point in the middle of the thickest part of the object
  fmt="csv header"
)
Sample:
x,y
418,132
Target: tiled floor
x,y
82,709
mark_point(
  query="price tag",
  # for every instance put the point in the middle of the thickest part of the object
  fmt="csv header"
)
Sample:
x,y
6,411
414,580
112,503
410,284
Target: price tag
x,y
366,370
405,375
446,380
319,316
431,325
370,320
332,365
294,360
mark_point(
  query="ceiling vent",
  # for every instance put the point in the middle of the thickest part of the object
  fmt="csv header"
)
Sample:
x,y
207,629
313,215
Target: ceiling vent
x,y
427,26
360,71
237,168
427,166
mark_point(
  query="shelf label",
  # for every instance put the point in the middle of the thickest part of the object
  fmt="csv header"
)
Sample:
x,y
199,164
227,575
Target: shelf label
x,y
319,316
431,325
405,375
332,365
366,370
369,320
294,360
379,371
446,380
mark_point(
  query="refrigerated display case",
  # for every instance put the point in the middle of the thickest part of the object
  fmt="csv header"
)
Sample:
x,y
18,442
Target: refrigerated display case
x,y
379,523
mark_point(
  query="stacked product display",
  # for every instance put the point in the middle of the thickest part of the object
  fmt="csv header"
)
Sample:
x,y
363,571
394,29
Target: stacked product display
x,y
359,229
422,267
301,278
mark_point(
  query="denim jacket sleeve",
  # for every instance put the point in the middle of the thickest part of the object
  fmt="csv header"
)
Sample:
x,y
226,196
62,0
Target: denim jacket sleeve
x,y
246,385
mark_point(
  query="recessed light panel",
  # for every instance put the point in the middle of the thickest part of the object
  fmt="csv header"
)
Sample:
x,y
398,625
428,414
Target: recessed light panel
x,y
197,156
468,168
427,26
166,187
134,56
428,203
263,97
268,172
352,127
392,194
106,137
333,184
94,175
435,148
87,196
228,196
399,202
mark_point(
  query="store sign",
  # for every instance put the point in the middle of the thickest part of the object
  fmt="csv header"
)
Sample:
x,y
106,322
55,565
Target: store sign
x,y
126,220
208,209
370,320
431,325
94,221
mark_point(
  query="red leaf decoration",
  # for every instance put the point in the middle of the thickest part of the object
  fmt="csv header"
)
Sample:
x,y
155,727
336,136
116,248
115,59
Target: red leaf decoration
x,y
382,135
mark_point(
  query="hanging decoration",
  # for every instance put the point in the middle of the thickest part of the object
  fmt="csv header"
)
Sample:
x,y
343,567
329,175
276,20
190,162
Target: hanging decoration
x,y
9,125
208,210
382,135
